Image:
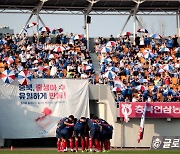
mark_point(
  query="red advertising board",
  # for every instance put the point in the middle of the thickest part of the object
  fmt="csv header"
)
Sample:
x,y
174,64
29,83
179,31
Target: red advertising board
x,y
154,109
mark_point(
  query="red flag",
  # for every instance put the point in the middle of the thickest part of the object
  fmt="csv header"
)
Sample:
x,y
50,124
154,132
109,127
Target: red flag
x,y
141,131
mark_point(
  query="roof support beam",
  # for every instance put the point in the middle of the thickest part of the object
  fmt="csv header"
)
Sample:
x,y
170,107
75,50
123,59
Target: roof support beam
x,y
23,2
125,24
36,11
38,8
26,24
105,13
89,8
86,25
6,1
138,2
140,24
133,13
178,22
42,21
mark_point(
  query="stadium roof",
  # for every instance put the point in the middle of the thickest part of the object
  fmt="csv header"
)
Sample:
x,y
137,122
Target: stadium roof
x,y
96,7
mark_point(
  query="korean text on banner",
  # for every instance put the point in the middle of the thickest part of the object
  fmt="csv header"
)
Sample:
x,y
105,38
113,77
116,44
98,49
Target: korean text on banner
x,y
33,111
154,109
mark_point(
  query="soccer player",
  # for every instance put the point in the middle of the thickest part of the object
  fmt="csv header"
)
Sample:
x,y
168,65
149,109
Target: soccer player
x,y
94,128
79,132
64,132
105,134
60,126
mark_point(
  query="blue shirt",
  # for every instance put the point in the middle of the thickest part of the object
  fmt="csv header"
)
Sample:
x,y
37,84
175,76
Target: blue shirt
x,y
129,90
170,43
145,94
64,41
146,41
103,68
79,125
153,44
124,92
127,71
61,124
120,98
92,124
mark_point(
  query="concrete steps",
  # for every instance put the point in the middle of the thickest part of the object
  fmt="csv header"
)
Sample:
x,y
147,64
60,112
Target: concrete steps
x,y
95,62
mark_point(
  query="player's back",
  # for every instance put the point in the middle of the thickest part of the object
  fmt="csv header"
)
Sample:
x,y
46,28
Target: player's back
x,y
79,124
92,124
61,124
105,125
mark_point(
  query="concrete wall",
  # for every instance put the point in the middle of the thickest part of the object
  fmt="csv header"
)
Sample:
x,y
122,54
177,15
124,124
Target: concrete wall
x,y
153,127
103,105
1,142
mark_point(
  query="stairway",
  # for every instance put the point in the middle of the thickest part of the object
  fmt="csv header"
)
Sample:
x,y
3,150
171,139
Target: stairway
x,y
95,62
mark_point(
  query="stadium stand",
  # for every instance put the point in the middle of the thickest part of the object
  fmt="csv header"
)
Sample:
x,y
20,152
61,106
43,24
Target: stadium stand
x,y
148,72
46,60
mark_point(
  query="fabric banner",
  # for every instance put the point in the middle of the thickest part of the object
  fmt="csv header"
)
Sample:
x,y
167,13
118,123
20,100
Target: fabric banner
x,y
33,111
154,109
165,143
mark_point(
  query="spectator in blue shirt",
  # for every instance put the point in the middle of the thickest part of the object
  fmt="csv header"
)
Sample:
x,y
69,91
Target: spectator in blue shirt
x,y
145,95
60,74
153,45
146,41
129,92
170,43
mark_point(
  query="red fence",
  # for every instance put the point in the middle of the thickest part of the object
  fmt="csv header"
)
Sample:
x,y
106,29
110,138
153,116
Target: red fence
x,y
154,109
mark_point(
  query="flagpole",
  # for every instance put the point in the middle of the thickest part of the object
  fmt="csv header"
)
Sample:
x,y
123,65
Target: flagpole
x,y
33,30
122,133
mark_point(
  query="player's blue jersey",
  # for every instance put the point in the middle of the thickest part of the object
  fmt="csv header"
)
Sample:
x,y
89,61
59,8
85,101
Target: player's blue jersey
x,y
79,124
61,124
92,124
105,125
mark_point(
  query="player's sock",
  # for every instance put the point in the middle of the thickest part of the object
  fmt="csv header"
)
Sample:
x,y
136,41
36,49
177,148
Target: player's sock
x,y
108,145
71,145
76,144
101,145
61,146
87,143
64,144
83,145
97,145
90,144
58,145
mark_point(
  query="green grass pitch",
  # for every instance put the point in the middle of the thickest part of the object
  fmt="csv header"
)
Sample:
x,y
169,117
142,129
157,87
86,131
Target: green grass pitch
x,y
110,152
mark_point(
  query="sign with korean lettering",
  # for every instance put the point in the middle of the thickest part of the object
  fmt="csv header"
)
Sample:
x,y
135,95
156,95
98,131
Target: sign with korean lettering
x,y
33,111
154,109
165,143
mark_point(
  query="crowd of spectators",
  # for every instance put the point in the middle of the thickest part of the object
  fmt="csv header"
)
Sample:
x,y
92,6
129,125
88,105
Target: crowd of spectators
x,y
67,57
148,70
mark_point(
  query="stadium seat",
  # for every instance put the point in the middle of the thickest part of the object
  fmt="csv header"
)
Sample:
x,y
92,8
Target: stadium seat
x,y
1,65
123,77
174,80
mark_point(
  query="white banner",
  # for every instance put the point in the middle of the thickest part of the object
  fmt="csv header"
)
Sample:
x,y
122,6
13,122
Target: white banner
x,y
33,111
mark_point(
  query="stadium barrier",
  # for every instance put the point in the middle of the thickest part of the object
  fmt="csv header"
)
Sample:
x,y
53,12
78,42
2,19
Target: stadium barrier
x,y
102,104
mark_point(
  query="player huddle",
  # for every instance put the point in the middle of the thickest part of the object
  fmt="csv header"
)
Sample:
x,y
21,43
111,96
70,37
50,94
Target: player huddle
x,y
91,133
